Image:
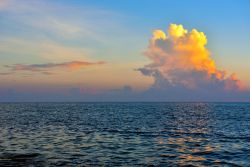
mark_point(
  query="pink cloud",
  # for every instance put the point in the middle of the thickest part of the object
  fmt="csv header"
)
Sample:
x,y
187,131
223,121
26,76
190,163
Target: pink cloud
x,y
44,68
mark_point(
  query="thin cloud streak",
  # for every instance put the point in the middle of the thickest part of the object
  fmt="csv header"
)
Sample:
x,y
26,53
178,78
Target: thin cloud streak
x,y
45,68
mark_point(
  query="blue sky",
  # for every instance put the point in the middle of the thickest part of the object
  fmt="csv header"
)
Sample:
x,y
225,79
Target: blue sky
x,y
225,22
45,45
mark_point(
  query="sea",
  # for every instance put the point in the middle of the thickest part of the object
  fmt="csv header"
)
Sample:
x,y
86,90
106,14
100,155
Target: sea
x,y
124,134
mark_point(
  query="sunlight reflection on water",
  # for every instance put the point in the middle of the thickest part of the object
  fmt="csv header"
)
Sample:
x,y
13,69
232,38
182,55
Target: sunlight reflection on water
x,y
130,134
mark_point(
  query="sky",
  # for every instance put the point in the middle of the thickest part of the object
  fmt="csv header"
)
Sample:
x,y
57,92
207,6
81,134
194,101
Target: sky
x,y
124,50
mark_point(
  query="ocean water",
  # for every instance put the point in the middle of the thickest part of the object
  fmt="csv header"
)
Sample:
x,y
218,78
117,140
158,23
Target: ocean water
x,y
124,134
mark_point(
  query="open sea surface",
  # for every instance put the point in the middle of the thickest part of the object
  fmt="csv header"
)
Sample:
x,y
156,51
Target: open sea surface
x,y
124,134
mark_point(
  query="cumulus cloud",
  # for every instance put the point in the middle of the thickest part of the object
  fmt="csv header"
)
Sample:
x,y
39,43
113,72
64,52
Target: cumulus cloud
x,y
44,68
180,60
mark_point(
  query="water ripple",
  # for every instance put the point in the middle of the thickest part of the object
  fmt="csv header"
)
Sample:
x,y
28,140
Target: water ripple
x,y
124,134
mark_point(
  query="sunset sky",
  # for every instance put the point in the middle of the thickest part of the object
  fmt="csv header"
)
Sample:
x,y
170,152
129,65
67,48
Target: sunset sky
x,y
124,50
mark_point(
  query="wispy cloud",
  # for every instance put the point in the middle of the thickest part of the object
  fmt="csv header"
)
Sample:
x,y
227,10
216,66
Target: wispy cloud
x,y
6,73
3,4
46,68
47,18
47,50
33,31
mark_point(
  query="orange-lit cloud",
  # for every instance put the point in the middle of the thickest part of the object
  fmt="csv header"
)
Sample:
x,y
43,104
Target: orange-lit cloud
x,y
44,68
180,57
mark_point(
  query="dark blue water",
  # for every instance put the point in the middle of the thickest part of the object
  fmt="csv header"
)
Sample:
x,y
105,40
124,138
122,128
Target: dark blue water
x,y
125,134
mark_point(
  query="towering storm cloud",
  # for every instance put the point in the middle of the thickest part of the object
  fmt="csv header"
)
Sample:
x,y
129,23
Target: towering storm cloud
x,y
180,59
